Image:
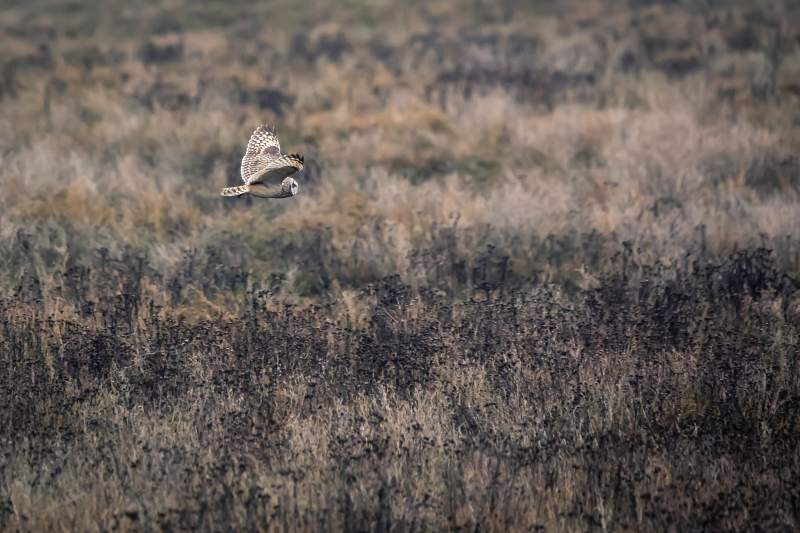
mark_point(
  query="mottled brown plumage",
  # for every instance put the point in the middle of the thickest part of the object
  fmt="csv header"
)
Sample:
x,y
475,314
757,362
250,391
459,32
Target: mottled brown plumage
x,y
262,164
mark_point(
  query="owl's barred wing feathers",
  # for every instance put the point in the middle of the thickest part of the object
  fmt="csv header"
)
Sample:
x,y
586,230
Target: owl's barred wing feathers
x,y
262,148
283,166
264,163
263,140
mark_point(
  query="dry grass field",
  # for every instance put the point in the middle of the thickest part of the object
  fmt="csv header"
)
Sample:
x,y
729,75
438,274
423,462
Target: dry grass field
x,y
543,272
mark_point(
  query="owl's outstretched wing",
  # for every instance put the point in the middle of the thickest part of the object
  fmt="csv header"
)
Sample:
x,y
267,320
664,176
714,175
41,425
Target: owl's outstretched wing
x,y
262,149
279,168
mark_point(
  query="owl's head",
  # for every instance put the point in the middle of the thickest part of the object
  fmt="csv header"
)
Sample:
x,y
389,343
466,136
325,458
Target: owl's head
x,y
289,186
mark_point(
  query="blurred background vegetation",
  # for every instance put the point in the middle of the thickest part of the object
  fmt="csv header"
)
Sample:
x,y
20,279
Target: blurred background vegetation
x,y
507,208
532,128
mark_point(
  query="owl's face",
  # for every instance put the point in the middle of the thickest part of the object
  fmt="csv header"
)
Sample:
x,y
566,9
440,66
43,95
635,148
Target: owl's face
x,y
289,186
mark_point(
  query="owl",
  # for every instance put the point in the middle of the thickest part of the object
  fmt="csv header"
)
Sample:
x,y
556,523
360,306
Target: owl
x,y
264,166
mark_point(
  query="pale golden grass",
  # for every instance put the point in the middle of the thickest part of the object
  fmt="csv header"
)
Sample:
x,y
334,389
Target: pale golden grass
x,y
423,425
93,169
646,157
133,168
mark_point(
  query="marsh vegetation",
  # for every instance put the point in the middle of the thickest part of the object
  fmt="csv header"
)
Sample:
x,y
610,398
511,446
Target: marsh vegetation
x,y
542,272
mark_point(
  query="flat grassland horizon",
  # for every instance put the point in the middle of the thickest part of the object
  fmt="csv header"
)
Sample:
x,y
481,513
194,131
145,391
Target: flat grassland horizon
x,y
541,274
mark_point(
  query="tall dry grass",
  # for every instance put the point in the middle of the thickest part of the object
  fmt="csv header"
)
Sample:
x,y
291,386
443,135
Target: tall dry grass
x,y
541,274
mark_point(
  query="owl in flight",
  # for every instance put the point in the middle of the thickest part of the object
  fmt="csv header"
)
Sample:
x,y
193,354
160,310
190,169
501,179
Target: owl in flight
x,y
264,166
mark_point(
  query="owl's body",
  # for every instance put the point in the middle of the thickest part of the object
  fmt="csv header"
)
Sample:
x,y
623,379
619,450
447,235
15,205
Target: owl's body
x,y
263,165
259,190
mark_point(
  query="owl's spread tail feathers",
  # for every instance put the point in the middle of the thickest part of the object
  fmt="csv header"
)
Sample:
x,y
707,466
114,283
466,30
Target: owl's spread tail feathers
x,y
236,191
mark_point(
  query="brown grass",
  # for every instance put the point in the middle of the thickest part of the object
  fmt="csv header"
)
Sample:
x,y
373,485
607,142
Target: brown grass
x,y
541,274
